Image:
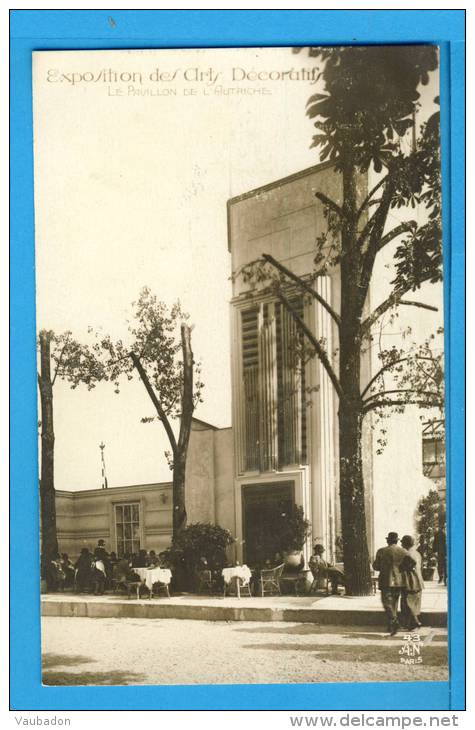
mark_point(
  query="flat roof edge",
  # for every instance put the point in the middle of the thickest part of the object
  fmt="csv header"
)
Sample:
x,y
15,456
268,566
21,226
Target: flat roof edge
x,y
151,485
271,186
281,181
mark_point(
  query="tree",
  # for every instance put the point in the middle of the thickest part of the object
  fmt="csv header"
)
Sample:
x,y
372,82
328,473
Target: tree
x,y
61,356
159,353
430,515
369,102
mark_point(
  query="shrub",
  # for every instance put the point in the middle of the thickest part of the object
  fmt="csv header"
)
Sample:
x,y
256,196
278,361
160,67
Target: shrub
x,y
430,513
196,541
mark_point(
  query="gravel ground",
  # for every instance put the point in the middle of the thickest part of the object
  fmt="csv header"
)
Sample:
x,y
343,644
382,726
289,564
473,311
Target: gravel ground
x,y
79,651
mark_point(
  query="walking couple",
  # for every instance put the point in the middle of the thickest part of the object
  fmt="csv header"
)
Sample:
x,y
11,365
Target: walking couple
x,y
400,576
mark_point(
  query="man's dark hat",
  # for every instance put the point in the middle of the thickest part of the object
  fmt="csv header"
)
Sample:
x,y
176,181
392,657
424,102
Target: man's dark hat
x,y
393,536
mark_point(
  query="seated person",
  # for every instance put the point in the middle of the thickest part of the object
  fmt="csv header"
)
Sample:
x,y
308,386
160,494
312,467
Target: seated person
x,y
202,575
140,560
321,569
68,570
122,568
153,560
163,559
55,575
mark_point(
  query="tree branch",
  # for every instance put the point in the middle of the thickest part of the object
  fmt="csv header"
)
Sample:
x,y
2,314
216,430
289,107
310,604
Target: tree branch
x,y
388,366
421,305
303,285
390,402
119,359
59,361
378,222
428,375
397,231
366,201
393,300
384,393
331,204
318,348
161,413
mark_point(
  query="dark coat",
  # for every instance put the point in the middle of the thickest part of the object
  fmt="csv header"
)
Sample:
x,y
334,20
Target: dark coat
x,y
388,562
439,545
84,568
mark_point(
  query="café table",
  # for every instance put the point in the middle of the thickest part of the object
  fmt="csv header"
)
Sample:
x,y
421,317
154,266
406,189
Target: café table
x,y
240,574
150,576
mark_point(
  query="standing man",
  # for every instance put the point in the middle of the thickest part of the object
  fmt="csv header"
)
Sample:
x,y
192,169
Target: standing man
x,y
390,581
100,553
439,547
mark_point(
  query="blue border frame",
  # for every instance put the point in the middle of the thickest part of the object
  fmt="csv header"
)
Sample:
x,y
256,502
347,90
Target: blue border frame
x,y
82,29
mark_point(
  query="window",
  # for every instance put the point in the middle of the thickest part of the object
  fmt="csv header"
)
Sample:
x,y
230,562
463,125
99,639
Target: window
x,y
127,528
433,457
274,417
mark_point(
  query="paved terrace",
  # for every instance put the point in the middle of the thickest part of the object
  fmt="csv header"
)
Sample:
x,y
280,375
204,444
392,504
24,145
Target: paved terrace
x,y
321,609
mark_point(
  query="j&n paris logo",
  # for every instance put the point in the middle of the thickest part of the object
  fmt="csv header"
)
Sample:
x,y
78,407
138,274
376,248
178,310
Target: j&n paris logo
x,y
410,651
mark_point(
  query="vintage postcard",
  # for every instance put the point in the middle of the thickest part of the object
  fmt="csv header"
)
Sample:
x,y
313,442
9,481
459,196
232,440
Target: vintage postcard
x,y
240,365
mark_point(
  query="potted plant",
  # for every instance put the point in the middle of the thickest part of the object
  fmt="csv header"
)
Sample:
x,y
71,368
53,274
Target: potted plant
x,y
430,513
293,530
428,568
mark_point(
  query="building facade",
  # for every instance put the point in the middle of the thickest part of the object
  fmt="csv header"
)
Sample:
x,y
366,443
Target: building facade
x,y
139,516
282,449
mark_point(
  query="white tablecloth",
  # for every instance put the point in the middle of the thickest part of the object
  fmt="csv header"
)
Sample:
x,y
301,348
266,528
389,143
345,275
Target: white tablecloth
x,y
149,576
239,571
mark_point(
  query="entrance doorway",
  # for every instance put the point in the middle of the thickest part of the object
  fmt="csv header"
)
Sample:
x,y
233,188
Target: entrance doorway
x,y
261,505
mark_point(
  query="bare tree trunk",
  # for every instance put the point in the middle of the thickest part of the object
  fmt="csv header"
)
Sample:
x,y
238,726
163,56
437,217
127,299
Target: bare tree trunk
x,y
47,491
179,509
352,501
187,408
180,447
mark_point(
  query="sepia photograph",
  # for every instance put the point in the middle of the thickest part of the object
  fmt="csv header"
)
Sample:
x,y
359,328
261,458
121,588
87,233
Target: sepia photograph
x,y
240,346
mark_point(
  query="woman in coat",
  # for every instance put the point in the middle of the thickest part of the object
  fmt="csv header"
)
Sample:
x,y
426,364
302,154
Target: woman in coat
x,y
413,585
84,571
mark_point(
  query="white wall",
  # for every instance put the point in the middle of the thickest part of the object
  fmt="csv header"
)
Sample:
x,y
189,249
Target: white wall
x,y
398,481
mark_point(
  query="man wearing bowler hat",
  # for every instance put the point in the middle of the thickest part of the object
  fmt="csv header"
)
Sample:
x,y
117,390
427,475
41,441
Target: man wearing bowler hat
x,y
390,581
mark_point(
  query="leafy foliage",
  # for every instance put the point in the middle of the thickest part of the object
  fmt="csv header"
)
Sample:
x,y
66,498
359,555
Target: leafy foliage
x,y
292,529
430,513
154,339
200,540
72,361
281,531
362,117
368,104
159,354
370,93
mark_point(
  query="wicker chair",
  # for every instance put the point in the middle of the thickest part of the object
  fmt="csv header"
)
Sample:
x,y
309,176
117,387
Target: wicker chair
x,y
321,579
270,580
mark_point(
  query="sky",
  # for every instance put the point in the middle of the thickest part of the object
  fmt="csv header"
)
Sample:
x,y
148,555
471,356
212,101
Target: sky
x,y
136,155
